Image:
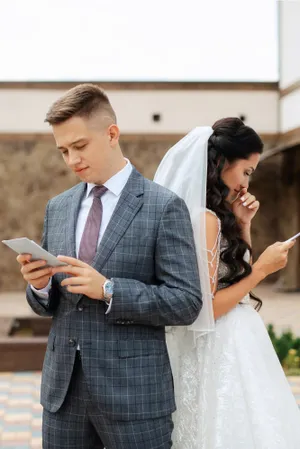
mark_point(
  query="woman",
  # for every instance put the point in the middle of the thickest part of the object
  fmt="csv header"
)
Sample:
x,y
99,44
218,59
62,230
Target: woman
x,y
231,390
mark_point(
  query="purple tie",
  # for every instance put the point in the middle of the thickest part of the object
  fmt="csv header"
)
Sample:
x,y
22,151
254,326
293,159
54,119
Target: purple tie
x,y
90,236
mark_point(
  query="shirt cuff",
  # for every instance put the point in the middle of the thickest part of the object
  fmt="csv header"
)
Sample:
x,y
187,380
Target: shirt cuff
x,y
109,306
42,293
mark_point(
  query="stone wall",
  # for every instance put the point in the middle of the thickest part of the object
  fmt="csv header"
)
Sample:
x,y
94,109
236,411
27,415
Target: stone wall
x,y
32,171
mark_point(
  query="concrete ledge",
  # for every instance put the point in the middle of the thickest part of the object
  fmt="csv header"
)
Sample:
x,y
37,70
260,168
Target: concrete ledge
x,y
22,354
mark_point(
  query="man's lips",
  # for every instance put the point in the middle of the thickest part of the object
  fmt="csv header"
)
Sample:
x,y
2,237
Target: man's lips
x,y
79,170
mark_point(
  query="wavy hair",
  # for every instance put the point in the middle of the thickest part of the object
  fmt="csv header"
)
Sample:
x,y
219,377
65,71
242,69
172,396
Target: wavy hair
x,y
231,140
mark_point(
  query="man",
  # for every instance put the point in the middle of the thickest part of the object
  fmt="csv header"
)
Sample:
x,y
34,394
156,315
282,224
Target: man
x,y
131,271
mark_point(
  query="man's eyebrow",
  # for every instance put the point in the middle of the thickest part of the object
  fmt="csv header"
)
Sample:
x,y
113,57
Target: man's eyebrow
x,y
73,143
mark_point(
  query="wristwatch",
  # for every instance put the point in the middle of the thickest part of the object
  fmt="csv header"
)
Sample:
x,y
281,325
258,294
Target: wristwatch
x,y
108,289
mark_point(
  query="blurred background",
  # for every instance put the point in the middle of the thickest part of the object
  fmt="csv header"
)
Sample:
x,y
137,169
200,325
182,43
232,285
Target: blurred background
x,y
166,68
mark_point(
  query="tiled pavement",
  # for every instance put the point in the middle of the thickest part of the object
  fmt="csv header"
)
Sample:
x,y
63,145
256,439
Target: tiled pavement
x,y
20,411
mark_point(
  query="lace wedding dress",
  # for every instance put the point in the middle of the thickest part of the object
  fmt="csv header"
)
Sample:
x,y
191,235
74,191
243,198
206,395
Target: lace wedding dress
x,y
231,391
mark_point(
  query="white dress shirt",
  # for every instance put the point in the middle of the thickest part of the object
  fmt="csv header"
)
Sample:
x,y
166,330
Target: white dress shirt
x,y
109,200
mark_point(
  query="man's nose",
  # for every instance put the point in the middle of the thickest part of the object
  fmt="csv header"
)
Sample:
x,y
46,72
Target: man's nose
x,y
74,159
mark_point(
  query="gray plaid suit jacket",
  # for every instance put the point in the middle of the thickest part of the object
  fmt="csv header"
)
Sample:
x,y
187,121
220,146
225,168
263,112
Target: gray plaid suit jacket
x,y
148,249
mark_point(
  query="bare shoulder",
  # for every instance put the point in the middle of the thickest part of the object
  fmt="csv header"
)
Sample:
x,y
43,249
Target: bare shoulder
x,y
212,229
212,221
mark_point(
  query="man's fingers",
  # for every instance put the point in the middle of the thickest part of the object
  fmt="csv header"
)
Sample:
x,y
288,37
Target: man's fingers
x,y
31,266
72,261
38,283
69,269
80,289
32,275
80,280
23,258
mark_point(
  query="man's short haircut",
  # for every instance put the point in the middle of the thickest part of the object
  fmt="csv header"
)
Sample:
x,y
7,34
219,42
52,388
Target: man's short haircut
x,y
83,100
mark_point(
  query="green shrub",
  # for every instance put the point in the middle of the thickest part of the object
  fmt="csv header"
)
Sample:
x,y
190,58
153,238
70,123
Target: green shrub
x,y
287,347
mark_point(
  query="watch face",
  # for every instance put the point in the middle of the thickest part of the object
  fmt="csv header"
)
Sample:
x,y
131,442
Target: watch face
x,y
108,288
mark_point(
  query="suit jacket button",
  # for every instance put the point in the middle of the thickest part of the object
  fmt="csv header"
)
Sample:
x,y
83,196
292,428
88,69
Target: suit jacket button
x,y
72,342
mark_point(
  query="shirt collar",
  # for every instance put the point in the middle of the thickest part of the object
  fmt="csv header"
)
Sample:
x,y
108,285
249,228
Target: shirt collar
x,y
117,182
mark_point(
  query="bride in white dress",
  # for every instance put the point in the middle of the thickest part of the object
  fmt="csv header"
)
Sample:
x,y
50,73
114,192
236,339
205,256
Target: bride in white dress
x,y
231,391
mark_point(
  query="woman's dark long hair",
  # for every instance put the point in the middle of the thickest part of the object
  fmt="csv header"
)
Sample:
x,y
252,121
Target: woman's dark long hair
x,y
230,141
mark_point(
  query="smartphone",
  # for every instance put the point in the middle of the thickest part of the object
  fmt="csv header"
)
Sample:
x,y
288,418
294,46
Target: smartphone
x,y
293,238
25,246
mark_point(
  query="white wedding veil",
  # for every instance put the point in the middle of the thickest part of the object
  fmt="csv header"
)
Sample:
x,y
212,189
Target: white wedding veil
x,y
183,170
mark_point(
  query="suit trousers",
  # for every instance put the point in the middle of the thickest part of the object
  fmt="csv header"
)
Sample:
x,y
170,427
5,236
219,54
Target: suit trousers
x,y
79,424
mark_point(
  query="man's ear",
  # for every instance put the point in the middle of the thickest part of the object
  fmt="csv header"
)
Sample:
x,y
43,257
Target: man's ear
x,y
113,134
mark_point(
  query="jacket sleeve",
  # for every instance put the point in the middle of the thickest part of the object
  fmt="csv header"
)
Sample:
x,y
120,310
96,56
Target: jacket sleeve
x,y
176,297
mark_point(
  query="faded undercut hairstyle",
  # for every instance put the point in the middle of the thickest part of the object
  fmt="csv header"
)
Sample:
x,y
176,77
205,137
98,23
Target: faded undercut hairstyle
x,y
83,100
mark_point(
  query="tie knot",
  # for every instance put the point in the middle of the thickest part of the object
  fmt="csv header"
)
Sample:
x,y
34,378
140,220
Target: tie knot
x,y
98,191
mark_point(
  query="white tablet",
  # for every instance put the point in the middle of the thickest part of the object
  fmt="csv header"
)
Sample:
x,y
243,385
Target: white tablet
x,y
25,246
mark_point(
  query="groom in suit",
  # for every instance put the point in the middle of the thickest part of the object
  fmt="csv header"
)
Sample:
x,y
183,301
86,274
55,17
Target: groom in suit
x,y
131,270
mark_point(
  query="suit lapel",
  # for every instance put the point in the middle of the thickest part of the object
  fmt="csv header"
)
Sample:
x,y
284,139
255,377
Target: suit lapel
x,y
130,202
70,236
72,221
